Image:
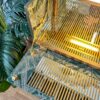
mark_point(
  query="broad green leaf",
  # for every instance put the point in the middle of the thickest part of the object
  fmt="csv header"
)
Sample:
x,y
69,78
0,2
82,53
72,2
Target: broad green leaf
x,y
4,86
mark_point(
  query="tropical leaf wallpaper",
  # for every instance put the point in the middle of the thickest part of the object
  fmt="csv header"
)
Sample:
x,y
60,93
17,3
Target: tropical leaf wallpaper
x,y
14,36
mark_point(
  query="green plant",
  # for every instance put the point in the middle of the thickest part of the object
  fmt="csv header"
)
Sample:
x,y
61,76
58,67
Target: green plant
x,y
10,54
4,86
14,10
14,34
3,25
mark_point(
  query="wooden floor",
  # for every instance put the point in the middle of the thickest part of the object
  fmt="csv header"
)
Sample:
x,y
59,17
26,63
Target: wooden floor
x,y
16,94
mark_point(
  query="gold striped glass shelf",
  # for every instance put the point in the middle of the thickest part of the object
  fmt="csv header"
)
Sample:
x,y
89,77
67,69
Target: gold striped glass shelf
x,y
75,35
63,83
71,27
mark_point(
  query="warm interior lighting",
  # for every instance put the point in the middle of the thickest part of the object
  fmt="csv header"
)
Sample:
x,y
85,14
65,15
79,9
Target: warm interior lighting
x,y
79,43
94,37
96,1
